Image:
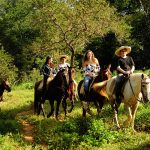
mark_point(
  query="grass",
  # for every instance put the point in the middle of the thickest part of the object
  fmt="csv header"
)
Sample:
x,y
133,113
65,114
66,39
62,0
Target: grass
x,y
73,132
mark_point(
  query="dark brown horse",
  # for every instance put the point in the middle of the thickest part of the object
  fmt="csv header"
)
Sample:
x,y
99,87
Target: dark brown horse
x,y
56,91
4,85
93,96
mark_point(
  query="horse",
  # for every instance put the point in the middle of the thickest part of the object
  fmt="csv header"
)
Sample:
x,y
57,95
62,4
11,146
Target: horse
x,y
4,85
72,88
56,90
135,90
38,93
93,96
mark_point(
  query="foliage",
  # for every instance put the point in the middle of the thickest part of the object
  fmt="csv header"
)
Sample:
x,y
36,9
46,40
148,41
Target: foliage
x,y
7,68
73,132
72,24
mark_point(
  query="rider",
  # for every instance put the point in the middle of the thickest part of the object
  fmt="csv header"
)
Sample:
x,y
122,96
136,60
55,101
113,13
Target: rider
x,y
47,70
125,67
64,65
91,68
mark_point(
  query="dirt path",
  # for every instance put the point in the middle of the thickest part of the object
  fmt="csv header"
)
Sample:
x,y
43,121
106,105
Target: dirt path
x,y
27,128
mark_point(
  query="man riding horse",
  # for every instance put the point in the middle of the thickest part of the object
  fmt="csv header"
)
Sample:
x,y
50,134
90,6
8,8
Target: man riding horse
x,y
125,67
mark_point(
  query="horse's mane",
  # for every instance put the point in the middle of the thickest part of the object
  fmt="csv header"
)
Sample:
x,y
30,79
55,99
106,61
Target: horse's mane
x,y
58,79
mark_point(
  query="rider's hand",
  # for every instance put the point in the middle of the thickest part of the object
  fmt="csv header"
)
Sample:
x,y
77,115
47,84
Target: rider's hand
x,y
128,73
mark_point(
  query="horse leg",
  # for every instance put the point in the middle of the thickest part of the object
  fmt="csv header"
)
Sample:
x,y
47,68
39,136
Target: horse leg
x,y
83,109
71,97
64,105
100,103
128,121
42,108
115,110
51,102
134,109
88,109
96,103
57,108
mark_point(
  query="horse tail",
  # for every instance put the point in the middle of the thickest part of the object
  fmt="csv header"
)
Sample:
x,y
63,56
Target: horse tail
x,y
36,96
80,93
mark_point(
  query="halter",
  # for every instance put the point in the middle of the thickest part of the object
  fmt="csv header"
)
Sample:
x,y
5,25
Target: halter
x,y
142,82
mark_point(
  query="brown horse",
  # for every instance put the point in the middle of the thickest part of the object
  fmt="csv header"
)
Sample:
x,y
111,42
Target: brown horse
x,y
4,85
72,88
56,91
93,96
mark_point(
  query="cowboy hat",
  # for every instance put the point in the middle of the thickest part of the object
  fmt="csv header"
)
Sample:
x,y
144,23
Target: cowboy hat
x,y
128,49
63,56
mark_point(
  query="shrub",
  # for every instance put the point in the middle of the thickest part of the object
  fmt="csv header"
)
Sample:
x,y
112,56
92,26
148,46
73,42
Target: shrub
x,y
8,69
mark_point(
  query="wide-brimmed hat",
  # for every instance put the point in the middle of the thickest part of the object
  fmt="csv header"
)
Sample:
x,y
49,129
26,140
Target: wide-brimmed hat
x,y
63,56
128,49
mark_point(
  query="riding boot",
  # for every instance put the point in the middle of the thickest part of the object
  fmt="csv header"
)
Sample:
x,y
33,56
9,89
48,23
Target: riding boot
x,y
118,94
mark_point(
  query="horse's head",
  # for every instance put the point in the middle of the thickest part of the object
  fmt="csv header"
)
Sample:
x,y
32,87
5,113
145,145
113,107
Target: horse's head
x,y
60,78
71,72
145,88
5,85
104,74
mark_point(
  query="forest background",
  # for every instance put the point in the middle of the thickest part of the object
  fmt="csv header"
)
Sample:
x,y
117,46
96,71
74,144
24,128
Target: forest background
x,y
32,29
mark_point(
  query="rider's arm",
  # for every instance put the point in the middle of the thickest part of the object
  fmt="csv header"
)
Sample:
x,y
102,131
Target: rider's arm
x,y
121,70
46,71
132,69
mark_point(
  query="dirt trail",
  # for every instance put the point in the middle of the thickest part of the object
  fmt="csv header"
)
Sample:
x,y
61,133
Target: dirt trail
x,y
27,128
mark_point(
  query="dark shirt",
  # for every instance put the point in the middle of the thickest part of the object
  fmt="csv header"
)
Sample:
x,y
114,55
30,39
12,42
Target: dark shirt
x,y
46,70
125,63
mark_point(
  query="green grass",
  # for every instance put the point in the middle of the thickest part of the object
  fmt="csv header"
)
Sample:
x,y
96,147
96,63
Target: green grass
x,y
73,132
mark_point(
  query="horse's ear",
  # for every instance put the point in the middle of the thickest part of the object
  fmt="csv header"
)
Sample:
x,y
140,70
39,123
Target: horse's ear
x,y
142,76
109,66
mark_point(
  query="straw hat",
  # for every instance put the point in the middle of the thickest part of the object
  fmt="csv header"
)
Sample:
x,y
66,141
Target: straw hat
x,y
128,48
63,56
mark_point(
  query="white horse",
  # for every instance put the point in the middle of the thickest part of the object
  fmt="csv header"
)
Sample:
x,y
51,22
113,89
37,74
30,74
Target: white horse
x,y
136,89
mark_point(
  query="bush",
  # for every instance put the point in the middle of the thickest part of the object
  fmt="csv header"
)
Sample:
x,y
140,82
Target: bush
x,y
8,69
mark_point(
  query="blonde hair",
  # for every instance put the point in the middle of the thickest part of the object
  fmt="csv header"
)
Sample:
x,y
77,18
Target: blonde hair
x,y
85,58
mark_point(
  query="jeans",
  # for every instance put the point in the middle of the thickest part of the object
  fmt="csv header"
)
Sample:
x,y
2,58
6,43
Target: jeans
x,y
120,81
86,83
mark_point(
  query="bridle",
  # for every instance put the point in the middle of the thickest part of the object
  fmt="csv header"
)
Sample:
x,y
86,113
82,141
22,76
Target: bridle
x,y
142,83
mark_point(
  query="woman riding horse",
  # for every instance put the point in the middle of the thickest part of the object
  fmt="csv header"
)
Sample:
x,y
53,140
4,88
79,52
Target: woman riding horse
x,y
85,86
56,90
72,85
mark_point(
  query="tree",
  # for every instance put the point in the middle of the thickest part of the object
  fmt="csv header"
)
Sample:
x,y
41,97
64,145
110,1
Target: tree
x,y
68,25
7,68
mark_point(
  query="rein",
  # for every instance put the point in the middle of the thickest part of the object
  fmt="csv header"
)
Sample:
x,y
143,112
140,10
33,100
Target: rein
x,y
140,100
134,93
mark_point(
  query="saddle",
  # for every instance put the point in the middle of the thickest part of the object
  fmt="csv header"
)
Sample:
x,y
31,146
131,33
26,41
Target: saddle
x,y
120,87
41,83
